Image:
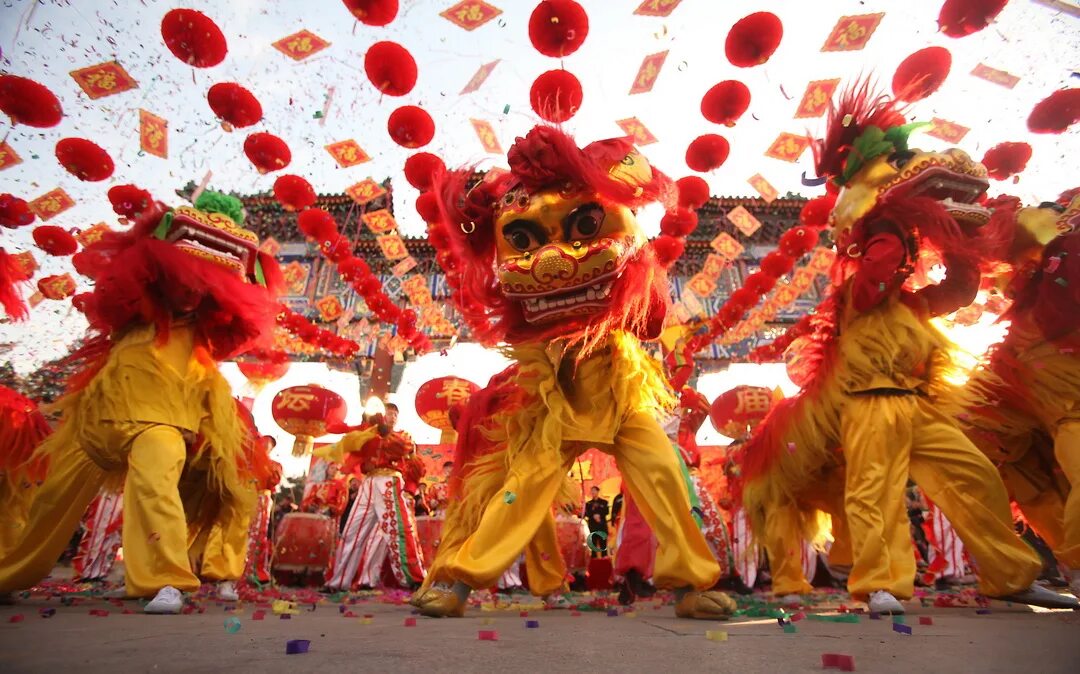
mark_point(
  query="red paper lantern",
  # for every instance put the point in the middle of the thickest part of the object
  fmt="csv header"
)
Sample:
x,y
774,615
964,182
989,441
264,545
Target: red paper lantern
x,y
373,12
129,200
411,126
1005,160
194,38
27,102
306,411
421,169
435,399
753,39
267,152
707,152
1056,112
317,224
693,192
737,412
556,96
55,240
293,193
14,212
84,160
427,205
57,287
234,105
921,74
964,17
558,27
262,372
391,68
725,102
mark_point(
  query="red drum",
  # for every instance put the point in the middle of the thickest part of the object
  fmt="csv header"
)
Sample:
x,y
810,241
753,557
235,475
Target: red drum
x,y
429,533
572,543
303,544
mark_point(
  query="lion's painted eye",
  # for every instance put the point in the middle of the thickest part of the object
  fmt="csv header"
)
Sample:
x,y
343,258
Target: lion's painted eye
x,y
524,235
899,160
584,222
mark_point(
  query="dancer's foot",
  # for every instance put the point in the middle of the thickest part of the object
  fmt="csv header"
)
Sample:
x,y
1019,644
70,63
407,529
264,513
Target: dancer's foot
x,y
556,601
884,602
705,605
440,603
168,600
226,591
1036,595
626,595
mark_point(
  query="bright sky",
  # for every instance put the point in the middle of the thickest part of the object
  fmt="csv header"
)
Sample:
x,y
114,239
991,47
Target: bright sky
x,y
1037,43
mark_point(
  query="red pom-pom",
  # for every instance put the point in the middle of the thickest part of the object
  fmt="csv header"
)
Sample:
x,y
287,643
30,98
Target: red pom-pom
x,y
411,126
428,207
759,283
668,249
373,12
84,160
964,17
27,102
267,152
421,169
234,104
194,38
1056,112
129,200
558,27
14,212
391,68
1006,159
921,74
368,285
725,102
556,96
815,213
293,193
777,263
693,191
55,240
317,224
680,222
798,241
743,298
354,269
336,248
753,39
707,152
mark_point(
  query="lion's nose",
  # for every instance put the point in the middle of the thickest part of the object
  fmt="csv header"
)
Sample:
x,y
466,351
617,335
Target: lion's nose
x,y
552,262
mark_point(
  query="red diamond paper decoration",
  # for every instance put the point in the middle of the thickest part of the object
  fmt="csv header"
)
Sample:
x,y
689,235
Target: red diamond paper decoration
x,y
365,191
8,156
470,14
635,129
950,132
851,33
104,79
487,136
347,153
301,45
648,72
985,72
788,147
763,187
815,100
479,78
657,7
51,204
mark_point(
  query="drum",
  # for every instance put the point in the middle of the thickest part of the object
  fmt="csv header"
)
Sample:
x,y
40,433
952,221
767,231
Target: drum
x,y
429,533
571,533
303,544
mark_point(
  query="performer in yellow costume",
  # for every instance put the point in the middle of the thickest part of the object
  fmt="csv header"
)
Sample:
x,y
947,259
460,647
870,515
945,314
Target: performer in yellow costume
x,y
22,428
550,260
180,291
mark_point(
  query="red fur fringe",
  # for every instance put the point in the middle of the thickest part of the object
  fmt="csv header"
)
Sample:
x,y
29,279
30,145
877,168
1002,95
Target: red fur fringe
x,y
866,108
10,298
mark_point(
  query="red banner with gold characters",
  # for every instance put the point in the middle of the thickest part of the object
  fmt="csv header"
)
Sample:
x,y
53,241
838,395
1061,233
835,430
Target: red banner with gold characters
x,y
92,234
985,72
51,203
404,267
648,72
950,132
57,287
393,247
330,308
815,100
788,147
635,129
270,246
470,14
25,264
153,134
104,79
296,277
347,153
8,156
802,279
851,33
365,191
701,285
743,220
301,45
763,187
487,136
714,266
479,78
657,7
727,246
822,260
380,221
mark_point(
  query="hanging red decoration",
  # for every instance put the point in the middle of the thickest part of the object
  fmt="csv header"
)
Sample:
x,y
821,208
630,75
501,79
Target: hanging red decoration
x,y
921,74
293,193
1056,112
556,96
57,286
421,168
427,205
55,240
14,212
437,397
267,152
194,38
680,222
725,102
129,200
411,126
373,12
317,224
27,102
737,412
306,412
391,68
815,213
84,160
707,152
558,27
753,39
668,249
234,105
311,334
964,17
266,368
693,191
1005,160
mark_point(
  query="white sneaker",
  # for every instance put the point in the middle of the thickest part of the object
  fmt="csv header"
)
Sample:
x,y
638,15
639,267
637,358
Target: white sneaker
x,y
883,602
226,591
1036,595
1074,583
557,601
168,600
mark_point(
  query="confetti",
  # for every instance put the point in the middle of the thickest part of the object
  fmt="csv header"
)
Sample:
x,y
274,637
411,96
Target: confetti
x,y
410,622
613,613
509,497
716,635
258,615
532,624
297,646
99,612
845,663
488,635
232,625
982,611
48,612
926,620
901,629
17,618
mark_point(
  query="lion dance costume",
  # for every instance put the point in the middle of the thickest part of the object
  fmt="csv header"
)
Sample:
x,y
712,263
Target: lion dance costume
x,y
182,289
550,260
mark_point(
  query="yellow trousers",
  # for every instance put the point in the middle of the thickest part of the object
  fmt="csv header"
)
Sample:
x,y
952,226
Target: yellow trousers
x,y
650,470
154,534
886,438
217,530
1067,453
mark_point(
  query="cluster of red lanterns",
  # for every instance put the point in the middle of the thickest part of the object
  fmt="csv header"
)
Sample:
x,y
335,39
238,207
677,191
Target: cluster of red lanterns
x,y
679,223
194,38
294,193
309,333
84,160
557,28
27,102
15,212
